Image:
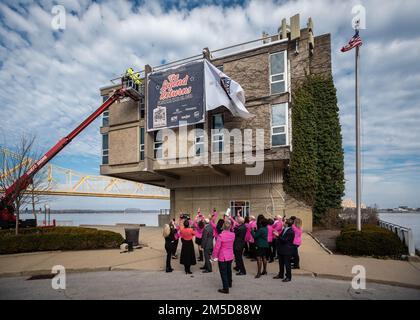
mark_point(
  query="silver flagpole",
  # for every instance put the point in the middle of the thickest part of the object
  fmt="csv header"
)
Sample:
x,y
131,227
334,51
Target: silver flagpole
x,y
358,157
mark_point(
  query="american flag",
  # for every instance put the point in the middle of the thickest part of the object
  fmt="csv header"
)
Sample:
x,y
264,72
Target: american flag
x,y
354,42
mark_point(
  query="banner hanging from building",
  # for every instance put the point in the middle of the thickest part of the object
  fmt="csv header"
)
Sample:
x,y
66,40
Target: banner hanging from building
x,y
223,91
176,96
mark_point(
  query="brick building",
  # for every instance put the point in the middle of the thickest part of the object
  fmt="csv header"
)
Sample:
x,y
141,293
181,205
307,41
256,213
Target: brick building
x,y
268,69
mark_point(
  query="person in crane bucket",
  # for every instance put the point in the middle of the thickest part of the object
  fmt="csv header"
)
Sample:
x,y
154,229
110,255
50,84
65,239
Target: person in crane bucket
x,y
131,79
137,81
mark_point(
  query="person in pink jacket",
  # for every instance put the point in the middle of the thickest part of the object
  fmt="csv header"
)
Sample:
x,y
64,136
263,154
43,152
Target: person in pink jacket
x,y
278,227
198,228
297,241
223,253
217,227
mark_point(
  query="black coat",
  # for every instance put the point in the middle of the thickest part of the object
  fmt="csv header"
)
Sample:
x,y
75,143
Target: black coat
x,y
285,242
240,233
170,240
207,238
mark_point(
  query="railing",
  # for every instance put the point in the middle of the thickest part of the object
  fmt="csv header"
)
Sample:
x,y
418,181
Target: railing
x,y
405,234
164,211
218,53
64,223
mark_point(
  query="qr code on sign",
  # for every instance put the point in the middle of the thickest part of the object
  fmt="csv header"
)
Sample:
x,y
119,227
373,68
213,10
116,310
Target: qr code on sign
x,y
159,117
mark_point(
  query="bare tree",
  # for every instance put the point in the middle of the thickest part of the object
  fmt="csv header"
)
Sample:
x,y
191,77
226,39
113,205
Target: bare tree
x,y
13,165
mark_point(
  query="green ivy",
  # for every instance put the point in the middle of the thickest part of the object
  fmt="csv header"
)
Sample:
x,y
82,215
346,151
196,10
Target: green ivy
x,y
316,172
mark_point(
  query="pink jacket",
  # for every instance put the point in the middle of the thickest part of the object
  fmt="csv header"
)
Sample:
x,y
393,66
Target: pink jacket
x,y
223,249
234,224
298,235
198,230
270,233
278,226
248,235
213,225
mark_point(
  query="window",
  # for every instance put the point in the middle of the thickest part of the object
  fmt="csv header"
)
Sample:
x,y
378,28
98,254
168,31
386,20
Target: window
x,y
278,72
217,132
105,115
105,148
199,139
279,121
241,207
158,146
142,108
141,144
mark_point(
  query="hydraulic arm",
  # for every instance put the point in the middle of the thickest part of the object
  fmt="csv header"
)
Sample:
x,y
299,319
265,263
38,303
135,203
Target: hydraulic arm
x,y
10,194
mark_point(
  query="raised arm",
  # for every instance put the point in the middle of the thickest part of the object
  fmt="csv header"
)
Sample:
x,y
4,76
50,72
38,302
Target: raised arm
x,y
234,223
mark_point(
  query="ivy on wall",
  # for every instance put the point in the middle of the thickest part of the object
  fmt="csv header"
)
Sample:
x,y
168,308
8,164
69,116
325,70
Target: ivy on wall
x,y
316,172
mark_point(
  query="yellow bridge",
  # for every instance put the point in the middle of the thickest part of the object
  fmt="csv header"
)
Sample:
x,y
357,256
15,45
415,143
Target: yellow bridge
x,y
58,181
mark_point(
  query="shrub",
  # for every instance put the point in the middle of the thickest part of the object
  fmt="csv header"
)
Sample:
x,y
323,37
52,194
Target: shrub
x,y
57,238
371,241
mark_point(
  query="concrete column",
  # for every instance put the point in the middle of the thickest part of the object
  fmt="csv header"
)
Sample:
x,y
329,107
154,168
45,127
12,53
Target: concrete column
x,y
172,204
148,136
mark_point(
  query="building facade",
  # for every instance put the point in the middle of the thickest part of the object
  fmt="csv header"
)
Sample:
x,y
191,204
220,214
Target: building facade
x,y
268,70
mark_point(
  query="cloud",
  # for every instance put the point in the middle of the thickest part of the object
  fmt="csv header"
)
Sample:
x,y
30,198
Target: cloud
x,y
49,80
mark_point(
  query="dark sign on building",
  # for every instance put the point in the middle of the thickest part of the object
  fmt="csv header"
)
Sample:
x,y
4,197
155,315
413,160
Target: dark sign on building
x,y
176,96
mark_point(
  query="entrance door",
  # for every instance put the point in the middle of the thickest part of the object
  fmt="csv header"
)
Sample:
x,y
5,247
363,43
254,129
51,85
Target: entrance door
x,y
241,206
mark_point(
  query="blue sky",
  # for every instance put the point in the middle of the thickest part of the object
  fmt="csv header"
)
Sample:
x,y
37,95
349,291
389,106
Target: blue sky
x,y
49,79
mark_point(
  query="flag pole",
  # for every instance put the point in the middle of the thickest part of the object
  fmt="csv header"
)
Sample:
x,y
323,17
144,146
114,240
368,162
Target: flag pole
x,y
358,156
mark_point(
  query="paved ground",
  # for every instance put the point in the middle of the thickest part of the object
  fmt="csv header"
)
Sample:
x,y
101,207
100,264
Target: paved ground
x,y
150,260
158,285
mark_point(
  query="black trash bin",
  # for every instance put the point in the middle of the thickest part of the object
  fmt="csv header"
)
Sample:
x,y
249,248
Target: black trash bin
x,y
132,236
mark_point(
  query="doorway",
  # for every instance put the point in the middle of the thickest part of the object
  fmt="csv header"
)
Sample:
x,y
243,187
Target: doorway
x,y
241,206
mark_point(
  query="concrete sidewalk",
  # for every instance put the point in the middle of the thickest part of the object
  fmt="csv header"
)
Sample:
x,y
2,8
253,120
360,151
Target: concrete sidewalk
x,y
314,262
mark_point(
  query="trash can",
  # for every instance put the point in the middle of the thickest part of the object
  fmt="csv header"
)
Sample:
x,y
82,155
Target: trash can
x,y
132,236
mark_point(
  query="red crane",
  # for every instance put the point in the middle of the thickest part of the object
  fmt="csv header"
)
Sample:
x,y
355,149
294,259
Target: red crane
x,y
7,217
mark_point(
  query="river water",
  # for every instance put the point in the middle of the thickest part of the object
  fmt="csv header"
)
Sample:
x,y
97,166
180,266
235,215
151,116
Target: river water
x,y
76,219
409,220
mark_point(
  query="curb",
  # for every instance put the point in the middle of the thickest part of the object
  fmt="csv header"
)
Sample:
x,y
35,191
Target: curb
x,y
303,274
43,272
320,243
377,281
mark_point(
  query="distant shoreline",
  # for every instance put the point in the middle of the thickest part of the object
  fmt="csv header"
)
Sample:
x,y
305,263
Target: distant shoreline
x,y
399,212
91,211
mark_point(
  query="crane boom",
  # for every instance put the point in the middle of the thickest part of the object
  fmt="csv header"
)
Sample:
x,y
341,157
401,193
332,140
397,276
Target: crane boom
x,y
10,194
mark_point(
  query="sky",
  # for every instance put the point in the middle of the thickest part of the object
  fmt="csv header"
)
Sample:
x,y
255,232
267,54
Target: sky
x,y
50,79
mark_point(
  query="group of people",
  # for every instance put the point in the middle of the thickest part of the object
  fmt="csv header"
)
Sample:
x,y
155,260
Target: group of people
x,y
231,238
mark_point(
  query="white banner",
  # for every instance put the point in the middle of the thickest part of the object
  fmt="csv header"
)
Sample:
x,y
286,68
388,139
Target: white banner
x,y
223,91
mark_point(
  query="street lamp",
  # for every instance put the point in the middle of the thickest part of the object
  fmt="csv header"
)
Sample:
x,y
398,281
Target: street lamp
x,y
47,208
